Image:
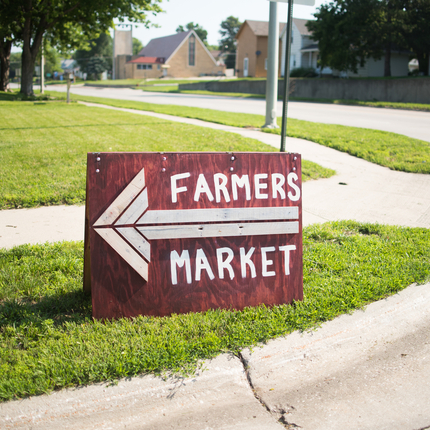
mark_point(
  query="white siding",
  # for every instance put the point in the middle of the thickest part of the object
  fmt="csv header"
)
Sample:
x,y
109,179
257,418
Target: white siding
x,y
296,46
375,68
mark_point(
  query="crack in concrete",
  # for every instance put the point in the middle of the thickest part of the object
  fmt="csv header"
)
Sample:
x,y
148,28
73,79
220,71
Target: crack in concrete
x,y
281,413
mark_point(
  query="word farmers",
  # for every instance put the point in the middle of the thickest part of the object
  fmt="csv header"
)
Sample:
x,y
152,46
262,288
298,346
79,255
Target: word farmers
x,y
261,186
226,259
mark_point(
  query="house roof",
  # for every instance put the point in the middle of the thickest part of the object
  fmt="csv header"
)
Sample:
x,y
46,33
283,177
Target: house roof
x,y
69,64
147,60
260,28
216,53
310,48
164,47
301,26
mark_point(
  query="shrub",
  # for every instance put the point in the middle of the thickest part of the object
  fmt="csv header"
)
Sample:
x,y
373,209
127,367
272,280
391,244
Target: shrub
x,y
303,72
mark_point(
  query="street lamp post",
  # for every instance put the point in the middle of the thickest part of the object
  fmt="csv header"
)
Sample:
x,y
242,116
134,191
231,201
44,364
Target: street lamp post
x,y
286,75
287,63
272,68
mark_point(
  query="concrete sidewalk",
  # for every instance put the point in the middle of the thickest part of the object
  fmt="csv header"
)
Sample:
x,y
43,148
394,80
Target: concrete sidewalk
x,y
365,371
368,370
359,191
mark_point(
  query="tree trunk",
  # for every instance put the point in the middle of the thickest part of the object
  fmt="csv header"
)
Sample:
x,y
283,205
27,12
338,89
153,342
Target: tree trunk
x,y
5,48
423,62
32,41
27,72
387,60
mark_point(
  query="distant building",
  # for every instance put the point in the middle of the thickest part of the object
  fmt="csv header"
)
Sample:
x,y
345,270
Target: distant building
x,y
251,53
251,58
181,55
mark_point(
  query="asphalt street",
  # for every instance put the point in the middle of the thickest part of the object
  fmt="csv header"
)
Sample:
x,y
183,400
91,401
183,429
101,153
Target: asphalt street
x,y
409,123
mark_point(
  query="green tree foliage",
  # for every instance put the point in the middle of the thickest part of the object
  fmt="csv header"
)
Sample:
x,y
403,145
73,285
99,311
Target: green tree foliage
x,y
346,33
351,31
229,29
415,30
96,57
200,31
66,23
227,43
9,32
137,46
95,67
52,60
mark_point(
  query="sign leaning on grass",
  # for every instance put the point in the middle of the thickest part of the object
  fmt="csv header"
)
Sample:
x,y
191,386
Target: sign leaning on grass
x,y
180,232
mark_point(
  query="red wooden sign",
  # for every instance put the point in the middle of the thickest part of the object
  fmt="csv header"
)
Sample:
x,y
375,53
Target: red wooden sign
x,y
179,232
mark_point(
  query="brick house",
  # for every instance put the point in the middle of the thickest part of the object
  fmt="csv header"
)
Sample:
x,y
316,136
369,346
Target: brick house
x,y
181,55
305,53
251,54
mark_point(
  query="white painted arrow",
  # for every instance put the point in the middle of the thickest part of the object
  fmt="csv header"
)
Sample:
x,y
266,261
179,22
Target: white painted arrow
x,y
127,196
127,224
218,215
125,251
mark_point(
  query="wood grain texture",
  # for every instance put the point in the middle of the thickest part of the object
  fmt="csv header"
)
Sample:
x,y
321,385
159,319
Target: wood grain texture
x,y
118,290
216,215
87,251
218,230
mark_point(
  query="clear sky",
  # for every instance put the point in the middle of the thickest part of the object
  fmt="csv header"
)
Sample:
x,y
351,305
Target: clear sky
x,y
210,14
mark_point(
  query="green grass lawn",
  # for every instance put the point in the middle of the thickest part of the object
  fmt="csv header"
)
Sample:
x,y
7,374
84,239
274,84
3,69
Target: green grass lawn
x,y
43,147
391,150
49,341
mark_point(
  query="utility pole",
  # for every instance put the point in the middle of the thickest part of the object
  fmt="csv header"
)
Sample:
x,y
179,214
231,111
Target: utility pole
x,y
286,75
42,70
272,68
287,63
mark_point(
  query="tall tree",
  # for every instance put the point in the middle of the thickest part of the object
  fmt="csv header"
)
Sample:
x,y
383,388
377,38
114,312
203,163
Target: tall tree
x,y
389,28
351,31
227,43
52,59
200,31
229,29
96,57
137,46
346,33
5,50
10,25
416,19
66,23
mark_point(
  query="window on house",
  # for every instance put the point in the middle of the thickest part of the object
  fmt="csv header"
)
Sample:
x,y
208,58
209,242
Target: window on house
x,y
144,66
265,64
158,67
192,50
